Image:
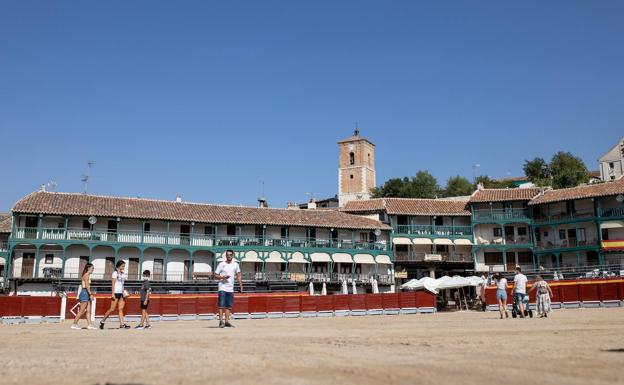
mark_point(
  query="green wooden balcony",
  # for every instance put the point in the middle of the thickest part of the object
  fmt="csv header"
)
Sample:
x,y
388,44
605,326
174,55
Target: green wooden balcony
x,y
611,212
564,217
501,215
188,240
433,231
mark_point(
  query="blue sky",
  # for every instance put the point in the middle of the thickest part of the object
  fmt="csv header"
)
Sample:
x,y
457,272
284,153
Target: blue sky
x,y
208,99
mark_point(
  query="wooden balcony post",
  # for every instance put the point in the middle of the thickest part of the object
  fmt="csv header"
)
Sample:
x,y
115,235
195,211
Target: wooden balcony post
x,y
63,262
36,270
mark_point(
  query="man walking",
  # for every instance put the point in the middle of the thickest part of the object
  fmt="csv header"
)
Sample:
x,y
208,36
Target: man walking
x,y
519,289
225,273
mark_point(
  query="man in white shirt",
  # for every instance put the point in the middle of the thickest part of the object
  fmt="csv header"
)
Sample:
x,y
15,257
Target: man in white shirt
x,y
225,273
519,289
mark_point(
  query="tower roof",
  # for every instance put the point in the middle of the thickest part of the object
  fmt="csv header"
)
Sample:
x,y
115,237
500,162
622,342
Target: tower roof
x,y
356,138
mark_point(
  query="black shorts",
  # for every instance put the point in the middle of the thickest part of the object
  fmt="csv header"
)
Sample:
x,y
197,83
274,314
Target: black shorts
x,y
118,295
144,305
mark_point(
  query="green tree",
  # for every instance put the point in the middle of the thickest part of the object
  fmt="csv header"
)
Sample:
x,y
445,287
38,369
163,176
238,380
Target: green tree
x,y
458,186
423,185
488,182
568,170
394,187
537,171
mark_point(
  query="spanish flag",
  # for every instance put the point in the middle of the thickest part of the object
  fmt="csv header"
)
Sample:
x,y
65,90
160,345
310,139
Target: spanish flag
x,y
616,244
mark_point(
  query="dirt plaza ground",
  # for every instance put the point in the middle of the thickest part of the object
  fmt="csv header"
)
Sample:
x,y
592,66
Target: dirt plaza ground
x,y
584,346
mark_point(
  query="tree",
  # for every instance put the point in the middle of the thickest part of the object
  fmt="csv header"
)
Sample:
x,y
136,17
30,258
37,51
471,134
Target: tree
x,y
423,185
537,171
488,182
568,170
458,186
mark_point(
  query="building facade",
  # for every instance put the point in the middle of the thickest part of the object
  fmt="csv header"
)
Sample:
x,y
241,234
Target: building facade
x,y
356,171
612,163
55,234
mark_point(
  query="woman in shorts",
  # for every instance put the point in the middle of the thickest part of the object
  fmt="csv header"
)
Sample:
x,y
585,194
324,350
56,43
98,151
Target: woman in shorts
x,y
84,298
501,295
117,299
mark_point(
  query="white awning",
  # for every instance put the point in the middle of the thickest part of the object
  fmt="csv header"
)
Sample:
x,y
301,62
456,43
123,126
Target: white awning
x,y
251,256
612,224
383,260
463,241
364,259
401,241
342,258
320,257
442,241
422,241
298,258
275,257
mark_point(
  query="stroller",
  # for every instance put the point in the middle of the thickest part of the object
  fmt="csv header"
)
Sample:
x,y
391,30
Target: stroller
x,y
515,309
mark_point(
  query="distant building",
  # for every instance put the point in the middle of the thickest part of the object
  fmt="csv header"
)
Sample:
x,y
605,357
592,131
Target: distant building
x,y
356,172
328,203
612,163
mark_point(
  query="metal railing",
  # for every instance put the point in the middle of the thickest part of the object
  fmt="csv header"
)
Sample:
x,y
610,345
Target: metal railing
x,y
564,216
191,240
566,244
501,215
451,231
432,257
521,240
4,246
611,212
574,272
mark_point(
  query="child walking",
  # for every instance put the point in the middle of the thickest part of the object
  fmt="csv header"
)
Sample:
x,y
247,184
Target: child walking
x,y
145,295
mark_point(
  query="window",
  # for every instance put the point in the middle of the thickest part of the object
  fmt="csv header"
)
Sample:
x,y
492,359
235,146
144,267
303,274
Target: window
x,y
158,269
351,176
439,221
333,234
605,234
498,232
60,225
563,234
441,249
85,224
208,230
259,231
147,227
231,230
284,233
368,158
494,258
580,235
363,237
522,231
545,233
313,233
611,166
49,259
351,158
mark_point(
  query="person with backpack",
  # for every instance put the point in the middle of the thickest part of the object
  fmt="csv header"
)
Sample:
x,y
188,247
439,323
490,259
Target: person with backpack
x,y
84,298
118,295
543,296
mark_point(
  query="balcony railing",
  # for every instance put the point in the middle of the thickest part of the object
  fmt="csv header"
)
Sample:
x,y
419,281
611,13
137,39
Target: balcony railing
x,y
566,244
564,216
498,215
432,257
499,241
191,240
3,246
611,212
428,230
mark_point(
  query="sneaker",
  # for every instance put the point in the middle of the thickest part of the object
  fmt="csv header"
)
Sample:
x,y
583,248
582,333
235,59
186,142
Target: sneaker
x,y
124,326
101,325
139,327
228,325
147,327
75,327
91,327
221,324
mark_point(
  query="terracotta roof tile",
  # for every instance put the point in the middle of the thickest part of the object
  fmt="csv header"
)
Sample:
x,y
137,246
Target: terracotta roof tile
x,y
504,195
580,192
409,206
138,208
6,221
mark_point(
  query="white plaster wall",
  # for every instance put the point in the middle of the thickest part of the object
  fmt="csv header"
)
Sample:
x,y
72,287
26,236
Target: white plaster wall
x,y
175,265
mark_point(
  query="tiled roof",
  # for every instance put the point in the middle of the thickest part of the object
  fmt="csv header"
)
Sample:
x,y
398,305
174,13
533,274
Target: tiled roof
x,y
50,203
355,138
5,222
409,206
580,192
504,195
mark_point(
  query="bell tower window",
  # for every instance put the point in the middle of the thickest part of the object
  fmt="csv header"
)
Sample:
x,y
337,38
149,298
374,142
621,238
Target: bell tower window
x,y
351,158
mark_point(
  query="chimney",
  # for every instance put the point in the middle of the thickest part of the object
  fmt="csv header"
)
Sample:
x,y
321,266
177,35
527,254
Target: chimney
x,y
312,204
178,198
480,186
42,187
262,203
292,206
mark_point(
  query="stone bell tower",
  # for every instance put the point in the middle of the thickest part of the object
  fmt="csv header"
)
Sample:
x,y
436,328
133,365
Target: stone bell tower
x,y
356,170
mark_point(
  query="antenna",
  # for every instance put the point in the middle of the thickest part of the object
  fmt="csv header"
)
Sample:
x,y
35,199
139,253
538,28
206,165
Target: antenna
x,y
475,167
357,129
85,177
51,186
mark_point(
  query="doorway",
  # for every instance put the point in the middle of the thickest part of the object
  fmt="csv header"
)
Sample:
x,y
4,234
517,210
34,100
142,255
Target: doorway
x,y
28,265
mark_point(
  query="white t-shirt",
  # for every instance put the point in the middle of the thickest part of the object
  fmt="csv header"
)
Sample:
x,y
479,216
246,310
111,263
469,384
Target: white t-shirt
x,y
520,280
119,282
229,269
501,284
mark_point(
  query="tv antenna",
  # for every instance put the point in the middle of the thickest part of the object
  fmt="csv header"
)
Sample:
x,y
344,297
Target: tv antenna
x,y
51,186
85,177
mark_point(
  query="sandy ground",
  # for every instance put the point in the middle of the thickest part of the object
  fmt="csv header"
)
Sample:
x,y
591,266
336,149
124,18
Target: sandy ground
x,y
584,346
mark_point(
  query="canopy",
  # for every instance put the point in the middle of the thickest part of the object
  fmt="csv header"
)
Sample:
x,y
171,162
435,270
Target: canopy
x,y
401,241
422,241
463,241
442,241
251,256
364,259
320,257
383,260
342,258
298,258
612,224
274,256
446,282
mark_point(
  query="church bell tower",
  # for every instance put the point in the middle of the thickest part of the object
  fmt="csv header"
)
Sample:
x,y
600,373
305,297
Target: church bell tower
x,y
356,171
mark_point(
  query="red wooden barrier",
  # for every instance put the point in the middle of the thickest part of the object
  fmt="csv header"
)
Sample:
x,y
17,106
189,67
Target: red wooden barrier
x,y
373,301
490,296
341,302
187,305
168,305
621,289
425,299
275,304
154,306
407,300
390,300
309,303
257,304
588,291
556,297
11,306
292,304
207,305
357,302
325,303
569,292
609,291
241,305
132,306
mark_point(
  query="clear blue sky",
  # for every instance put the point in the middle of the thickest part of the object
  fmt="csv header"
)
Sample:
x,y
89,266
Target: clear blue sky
x,y
209,98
